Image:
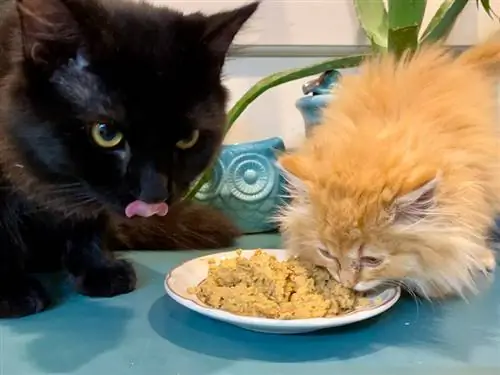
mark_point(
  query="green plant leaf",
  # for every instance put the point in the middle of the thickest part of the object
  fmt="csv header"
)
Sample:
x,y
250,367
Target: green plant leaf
x,y
269,82
202,180
286,76
373,18
405,20
486,6
442,23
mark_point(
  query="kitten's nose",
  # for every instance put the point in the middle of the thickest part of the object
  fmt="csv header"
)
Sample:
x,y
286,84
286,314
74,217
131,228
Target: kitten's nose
x,y
347,279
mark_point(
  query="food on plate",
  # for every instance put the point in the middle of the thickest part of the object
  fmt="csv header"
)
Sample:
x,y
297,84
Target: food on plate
x,y
263,286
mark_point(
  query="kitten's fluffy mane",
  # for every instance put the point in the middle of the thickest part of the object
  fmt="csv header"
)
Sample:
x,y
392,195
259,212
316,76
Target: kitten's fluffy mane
x,y
406,164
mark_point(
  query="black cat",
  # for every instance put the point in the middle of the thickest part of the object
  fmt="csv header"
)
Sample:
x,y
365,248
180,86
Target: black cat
x,y
108,110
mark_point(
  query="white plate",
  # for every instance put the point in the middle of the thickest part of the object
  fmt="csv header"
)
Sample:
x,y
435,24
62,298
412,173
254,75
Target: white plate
x,y
191,273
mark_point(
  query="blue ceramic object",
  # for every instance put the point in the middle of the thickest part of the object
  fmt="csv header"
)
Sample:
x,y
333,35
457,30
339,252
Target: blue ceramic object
x,y
246,184
318,93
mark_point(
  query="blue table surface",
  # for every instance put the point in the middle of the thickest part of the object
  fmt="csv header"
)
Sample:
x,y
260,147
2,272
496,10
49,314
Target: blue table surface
x,y
146,332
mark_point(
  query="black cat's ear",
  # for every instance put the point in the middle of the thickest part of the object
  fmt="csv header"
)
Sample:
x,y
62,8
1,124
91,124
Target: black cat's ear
x,y
221,28
49,31
417,204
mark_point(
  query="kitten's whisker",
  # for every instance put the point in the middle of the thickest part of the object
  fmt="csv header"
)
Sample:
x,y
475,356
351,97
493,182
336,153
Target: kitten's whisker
x,y
410,291
412,294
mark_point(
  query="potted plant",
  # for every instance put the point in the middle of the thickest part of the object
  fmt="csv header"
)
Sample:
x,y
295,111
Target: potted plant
x,y
243,180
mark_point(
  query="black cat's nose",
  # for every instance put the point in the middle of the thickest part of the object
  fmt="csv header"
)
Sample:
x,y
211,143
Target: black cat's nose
x,y
154,187
154,196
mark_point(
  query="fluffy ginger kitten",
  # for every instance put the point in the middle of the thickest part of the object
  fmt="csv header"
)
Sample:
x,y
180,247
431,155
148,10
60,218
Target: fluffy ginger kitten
x,y
400,183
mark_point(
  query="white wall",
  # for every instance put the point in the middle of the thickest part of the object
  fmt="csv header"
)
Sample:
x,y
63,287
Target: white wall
x,y
290,33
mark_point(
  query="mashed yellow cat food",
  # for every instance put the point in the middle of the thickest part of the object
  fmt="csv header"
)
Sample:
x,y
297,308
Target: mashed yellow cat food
x,y
265,287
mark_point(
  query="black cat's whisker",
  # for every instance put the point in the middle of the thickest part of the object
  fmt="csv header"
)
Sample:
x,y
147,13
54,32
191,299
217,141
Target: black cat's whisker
x,y
196,235
181,240
58,197
186,240
69,200
67,190
67,184
181,243
62,189
73,208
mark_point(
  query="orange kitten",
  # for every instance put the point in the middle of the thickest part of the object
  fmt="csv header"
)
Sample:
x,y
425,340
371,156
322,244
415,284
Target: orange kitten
x,y
401,182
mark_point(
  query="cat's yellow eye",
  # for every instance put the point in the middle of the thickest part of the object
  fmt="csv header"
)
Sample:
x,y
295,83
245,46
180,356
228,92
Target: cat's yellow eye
x,y
105,135
185,144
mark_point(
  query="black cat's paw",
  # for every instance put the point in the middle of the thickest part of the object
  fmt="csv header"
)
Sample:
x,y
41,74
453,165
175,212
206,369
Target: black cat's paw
x,y
117,277
22,297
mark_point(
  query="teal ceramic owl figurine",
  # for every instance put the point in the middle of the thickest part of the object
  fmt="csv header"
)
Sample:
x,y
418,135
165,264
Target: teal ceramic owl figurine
x,y
246,184
318,93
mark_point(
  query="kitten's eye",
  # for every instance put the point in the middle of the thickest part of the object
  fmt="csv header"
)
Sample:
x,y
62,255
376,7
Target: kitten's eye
x,y
184,144
370,261
104,135
325,253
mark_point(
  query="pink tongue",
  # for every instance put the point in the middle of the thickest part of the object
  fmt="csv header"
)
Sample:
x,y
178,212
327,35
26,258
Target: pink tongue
x,y
140,208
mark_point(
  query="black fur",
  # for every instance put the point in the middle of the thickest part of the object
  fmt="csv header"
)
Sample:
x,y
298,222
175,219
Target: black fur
x,y
151,73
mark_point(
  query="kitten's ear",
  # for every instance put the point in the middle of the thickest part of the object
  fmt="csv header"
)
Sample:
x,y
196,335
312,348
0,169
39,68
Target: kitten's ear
x,y
48,29
221,28
294,170
416,204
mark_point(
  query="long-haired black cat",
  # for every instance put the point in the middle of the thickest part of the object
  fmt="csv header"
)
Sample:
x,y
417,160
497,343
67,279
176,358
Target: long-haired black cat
x,y
108,111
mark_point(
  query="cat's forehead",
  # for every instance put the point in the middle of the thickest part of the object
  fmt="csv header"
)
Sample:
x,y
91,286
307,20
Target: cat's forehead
x,y
346,220
147,74
152,52
341,235
138,90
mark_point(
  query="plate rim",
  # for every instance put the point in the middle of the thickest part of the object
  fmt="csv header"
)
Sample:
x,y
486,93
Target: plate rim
x,y
229,317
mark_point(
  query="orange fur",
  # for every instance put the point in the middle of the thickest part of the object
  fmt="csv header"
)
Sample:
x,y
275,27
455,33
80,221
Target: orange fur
x,y
428,121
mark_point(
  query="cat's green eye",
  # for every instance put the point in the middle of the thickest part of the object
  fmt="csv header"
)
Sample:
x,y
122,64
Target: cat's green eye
x,y
185,144
105,135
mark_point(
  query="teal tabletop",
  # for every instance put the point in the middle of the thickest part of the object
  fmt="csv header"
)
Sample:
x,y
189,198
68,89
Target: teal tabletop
x,y
146,332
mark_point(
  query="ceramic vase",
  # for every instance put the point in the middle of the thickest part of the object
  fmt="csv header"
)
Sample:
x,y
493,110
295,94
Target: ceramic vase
x,y
317,94
246,184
